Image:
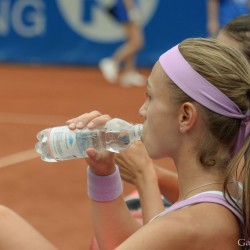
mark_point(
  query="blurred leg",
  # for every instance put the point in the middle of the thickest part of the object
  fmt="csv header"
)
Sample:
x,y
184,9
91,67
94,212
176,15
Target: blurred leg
x,y
135,41
17,234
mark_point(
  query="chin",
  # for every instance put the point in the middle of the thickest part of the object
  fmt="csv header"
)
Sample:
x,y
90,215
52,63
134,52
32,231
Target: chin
x,y
154,157
153,153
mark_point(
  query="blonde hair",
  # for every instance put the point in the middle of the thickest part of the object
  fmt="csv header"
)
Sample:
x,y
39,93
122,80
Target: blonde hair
x,y
239,30
228,70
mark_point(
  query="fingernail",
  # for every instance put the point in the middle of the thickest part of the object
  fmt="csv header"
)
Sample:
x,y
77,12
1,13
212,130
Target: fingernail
x,y
72,125
91,153
90,125
79,125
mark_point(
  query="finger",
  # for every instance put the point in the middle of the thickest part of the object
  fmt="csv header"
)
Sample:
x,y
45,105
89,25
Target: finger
x,y
91,152
101,162
100,157
98,121
93,157
127,179
82,120
120,162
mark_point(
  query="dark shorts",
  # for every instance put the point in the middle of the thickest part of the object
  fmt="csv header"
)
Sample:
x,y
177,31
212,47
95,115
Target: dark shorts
x,y
119,11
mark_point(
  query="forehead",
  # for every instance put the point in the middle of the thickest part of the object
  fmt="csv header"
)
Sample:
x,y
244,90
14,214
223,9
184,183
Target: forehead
x,y
158,80
157,77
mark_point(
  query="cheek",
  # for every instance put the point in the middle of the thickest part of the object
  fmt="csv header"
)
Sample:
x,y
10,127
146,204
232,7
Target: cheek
x,y
153,138
159,135
154,148
151,144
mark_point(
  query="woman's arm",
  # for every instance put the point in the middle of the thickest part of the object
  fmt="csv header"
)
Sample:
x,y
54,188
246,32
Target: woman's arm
x,y
18,234
112,220
137,168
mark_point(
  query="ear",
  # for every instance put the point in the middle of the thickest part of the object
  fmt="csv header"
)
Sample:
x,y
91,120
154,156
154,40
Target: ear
x,y
187,116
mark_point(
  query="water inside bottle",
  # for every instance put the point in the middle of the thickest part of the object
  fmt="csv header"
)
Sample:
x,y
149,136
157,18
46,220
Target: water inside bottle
x,y
118,141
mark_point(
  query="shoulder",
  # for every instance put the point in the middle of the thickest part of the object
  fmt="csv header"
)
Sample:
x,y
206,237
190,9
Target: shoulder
x,y
206,225
202,226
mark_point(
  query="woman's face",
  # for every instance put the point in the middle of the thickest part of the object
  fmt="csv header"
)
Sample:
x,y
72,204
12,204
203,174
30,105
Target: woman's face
x,y
160,116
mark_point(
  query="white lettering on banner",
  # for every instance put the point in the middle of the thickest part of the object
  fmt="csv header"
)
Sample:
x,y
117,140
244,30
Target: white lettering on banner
x,y
25,17
88,19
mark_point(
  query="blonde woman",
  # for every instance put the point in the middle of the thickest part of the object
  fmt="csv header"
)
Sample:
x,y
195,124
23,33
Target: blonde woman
x,y
193,115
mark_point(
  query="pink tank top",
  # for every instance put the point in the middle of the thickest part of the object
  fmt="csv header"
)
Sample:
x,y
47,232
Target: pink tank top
x,y
203,198
207,197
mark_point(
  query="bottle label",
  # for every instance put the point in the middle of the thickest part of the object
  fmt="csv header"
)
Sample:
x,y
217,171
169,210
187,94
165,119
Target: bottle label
x,y
63,144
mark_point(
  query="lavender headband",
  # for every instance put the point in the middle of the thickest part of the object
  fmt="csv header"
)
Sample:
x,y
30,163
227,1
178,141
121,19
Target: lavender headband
x,y
202,91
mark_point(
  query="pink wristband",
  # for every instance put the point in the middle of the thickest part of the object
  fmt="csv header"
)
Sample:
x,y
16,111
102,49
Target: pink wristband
x,y
104,188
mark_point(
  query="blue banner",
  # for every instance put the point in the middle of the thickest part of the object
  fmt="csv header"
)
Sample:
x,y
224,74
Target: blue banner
x,y
82,32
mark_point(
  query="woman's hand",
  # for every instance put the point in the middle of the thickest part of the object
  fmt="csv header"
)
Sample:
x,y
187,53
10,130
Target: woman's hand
x,y
100,162
134,163
137,168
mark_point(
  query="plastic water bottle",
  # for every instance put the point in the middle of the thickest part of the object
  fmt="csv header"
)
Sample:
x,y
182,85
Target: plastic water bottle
x,y
61,143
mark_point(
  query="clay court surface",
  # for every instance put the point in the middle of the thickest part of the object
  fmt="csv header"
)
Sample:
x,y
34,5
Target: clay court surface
x,y
52,196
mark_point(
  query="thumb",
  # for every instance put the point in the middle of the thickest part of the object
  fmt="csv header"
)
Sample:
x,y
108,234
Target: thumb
x,y
94,155
100,161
